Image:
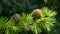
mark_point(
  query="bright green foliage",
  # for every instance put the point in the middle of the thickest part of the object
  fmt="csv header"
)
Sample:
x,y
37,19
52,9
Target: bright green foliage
x,y
12,27
47,12
27,23
3,22
48,17
26,20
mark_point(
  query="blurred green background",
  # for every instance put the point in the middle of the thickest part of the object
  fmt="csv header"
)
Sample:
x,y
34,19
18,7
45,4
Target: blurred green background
x,y
10,7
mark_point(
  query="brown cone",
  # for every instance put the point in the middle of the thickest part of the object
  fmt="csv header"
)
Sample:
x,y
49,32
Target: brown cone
x,y
16,17
36,14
